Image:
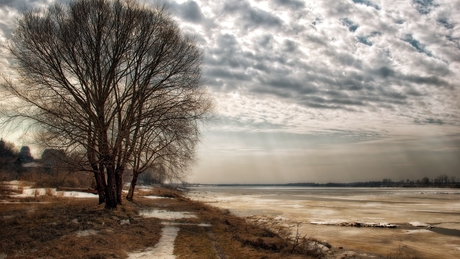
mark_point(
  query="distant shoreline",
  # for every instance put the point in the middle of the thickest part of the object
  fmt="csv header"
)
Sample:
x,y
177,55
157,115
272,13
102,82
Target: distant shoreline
x,y
372,184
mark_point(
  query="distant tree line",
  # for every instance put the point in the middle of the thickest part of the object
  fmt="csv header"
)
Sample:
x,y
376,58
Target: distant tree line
x,y
441,181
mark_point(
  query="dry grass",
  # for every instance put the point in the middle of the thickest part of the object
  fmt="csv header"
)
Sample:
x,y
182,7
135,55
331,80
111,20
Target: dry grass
x,y
51,230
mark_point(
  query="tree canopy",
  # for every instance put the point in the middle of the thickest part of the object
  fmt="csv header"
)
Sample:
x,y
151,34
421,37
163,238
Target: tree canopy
x,y
114,79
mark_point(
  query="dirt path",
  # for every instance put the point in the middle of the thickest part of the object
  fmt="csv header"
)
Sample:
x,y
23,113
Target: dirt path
x,y
163,249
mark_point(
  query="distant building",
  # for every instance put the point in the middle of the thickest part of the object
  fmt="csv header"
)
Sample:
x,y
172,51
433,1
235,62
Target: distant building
x,y
24,156
53,157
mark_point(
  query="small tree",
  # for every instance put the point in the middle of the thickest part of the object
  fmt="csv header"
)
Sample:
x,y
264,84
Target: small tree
x,y
99,76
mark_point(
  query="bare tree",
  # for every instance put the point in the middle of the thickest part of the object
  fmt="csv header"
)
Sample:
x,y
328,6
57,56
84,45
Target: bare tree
x,y
100,76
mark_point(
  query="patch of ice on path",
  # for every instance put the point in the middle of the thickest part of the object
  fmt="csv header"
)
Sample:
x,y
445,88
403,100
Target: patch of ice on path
x,y
166,215
164,249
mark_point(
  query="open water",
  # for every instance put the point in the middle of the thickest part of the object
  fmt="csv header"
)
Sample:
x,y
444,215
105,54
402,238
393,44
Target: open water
x,y
426,221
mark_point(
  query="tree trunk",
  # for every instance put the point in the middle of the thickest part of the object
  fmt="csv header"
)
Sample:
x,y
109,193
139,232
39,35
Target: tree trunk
x,y
111,200
119,183
130,195
100,185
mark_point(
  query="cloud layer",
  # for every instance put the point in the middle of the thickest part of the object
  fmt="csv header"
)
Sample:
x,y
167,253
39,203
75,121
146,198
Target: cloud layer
x,y
375,79
396,58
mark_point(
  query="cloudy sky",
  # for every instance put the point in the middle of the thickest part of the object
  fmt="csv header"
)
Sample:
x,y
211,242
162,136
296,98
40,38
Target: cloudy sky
x,y
320,91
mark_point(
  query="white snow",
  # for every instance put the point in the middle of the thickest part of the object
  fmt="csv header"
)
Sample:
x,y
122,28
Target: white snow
x,y
24,190
77,194
85,233
156,197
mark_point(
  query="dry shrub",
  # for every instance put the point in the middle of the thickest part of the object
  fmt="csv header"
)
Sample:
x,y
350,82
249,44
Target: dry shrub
x,y
6,176
56,179
162,192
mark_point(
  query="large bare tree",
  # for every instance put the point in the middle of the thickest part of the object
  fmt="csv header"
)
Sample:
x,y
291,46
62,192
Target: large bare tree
x,y
112,78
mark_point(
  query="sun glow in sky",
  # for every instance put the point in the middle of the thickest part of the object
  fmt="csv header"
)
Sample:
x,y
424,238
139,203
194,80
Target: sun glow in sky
x,y
319,91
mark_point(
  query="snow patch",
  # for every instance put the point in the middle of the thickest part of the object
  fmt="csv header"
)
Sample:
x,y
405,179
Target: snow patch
x,y
85,233
156,197
166,215
77,194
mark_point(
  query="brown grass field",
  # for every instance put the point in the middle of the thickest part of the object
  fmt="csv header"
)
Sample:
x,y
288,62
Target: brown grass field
x,y
56,227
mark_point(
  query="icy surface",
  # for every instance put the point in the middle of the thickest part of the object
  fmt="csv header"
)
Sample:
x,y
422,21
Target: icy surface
x,y
389,215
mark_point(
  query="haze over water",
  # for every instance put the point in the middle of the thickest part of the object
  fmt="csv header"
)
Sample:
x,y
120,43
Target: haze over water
x,y
412,210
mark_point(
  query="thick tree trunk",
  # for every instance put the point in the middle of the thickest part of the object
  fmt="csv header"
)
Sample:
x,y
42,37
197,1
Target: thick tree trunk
x,y
100,186
119,183
130,195
111,200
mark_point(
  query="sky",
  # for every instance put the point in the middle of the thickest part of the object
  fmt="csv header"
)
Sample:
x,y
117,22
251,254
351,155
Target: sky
x,y
321,91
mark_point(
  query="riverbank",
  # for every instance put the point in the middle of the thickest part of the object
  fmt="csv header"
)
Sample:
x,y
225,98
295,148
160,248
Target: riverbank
x,y
160,223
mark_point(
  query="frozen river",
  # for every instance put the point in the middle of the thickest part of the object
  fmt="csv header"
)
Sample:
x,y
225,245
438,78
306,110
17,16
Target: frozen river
x,y
427,220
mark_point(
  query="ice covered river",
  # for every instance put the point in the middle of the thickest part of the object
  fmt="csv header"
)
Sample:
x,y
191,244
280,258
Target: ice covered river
x,y
426,221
